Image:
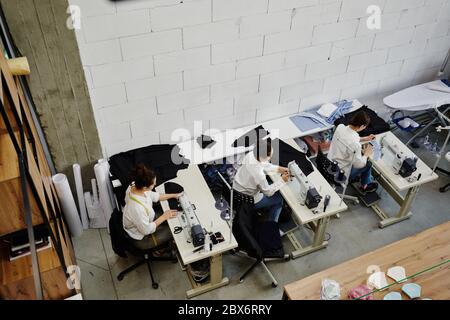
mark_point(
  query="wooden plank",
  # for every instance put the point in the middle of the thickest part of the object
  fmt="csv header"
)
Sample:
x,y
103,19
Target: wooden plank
x,y
9,165
415,254
11,208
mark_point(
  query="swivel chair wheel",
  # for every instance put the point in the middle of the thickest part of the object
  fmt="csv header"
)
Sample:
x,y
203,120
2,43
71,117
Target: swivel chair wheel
x,y
274,285
120,277
287,258
155,286
241,280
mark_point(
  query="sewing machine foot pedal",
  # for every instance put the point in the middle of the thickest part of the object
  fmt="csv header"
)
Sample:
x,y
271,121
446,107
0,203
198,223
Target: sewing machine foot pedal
x,y
367,198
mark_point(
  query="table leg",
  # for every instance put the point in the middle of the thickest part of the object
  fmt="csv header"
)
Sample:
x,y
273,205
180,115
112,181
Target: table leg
x,y
318,240
215,276
404,212
405,203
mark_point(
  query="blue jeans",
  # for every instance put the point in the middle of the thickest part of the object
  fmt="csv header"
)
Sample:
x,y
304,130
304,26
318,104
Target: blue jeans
x,y
274,204
365,174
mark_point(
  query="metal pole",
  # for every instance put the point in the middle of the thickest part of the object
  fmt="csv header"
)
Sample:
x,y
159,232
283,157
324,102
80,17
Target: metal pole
x,y
444,118
442,149
231,210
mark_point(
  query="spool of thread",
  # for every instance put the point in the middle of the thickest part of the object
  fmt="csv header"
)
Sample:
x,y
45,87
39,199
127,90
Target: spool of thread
x,y
334,167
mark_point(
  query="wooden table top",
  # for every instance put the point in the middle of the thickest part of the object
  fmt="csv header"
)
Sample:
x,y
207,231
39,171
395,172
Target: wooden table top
x,y
415,254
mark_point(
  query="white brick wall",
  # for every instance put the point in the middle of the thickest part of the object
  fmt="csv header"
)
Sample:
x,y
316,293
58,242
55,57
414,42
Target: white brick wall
x,y
156,65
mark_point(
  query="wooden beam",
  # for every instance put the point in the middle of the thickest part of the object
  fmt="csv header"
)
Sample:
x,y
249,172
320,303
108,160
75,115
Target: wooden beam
x,y
19,66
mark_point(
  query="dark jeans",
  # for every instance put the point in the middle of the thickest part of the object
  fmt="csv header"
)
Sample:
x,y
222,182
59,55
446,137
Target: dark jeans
x,y
160,236
274,204
365,174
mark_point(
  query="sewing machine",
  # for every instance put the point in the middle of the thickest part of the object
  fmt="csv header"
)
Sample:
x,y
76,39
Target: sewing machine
x,y
403,164
308,193
189,221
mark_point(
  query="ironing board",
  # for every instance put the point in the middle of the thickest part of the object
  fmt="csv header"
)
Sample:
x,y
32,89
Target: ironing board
x,y
421,97
425,96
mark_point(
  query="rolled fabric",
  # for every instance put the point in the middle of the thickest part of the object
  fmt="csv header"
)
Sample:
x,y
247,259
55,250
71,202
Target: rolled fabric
x,y
80,196
68,204
105,201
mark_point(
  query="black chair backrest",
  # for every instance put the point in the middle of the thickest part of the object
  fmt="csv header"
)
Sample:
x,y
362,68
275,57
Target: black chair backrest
x,y
244,229
322,165
118,234
120,239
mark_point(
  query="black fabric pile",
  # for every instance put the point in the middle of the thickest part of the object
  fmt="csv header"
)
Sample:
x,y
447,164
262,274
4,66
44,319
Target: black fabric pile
x,y
284,153
377,124
156,157
251,137
172,187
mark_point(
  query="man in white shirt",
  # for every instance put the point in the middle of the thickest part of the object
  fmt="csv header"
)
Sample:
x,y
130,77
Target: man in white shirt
x,y
250,179
346,149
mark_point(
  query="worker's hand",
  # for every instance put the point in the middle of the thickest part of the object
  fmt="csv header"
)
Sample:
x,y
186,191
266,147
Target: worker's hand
x,y
285,176
169,214
368,150
177,195
283,170
370,137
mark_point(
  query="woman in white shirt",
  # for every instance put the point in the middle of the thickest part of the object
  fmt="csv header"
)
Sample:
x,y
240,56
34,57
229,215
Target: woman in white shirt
x,y
346,149
138,215
250,179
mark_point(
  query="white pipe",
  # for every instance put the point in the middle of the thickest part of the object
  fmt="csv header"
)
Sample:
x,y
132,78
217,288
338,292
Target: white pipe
x,y
80,195
68,204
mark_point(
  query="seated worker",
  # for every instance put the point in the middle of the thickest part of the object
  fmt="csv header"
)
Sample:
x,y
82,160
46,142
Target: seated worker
x,y
346,149
250,179
138,215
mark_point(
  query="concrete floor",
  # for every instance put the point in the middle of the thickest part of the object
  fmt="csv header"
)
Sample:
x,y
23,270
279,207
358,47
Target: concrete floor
x,y
354,234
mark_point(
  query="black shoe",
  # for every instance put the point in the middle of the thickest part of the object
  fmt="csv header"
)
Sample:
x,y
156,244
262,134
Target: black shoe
x,y
371,187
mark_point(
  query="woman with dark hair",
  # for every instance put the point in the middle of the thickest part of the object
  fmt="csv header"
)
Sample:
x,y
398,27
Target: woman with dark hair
x,y
251,179
346,149
138,214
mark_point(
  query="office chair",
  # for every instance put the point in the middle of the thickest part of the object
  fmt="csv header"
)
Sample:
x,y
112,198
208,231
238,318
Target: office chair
x,y
122,245
323,163
244,225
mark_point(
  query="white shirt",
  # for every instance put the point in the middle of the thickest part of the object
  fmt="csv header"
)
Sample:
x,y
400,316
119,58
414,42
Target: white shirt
x,y
250,178
346,141
138,218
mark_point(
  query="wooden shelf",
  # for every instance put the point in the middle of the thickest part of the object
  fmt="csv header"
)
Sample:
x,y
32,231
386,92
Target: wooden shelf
x,y
17,277
53,284
13,271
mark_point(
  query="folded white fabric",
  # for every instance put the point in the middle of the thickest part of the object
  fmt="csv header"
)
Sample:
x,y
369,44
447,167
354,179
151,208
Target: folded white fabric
x,y
331,290
408,122
327,110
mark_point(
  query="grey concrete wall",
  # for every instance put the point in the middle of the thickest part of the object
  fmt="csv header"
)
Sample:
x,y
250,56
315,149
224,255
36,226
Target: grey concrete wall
x,y
57,81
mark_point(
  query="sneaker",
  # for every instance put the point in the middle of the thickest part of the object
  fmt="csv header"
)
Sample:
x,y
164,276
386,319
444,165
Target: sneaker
x,y
371,187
